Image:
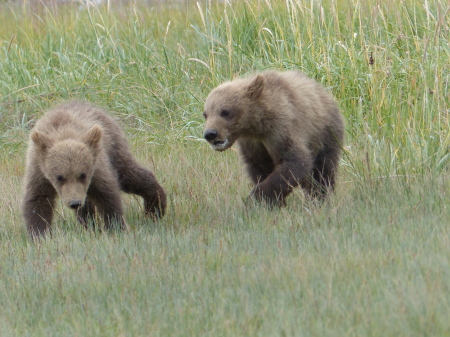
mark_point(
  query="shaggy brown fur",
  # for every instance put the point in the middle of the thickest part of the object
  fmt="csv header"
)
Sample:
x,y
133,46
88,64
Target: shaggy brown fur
x,y
288,128
80,153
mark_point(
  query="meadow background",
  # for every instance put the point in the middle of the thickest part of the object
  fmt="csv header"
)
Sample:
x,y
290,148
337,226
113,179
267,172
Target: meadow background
x,y
374,260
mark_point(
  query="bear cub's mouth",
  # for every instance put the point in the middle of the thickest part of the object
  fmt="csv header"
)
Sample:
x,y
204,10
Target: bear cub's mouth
x,y
220,145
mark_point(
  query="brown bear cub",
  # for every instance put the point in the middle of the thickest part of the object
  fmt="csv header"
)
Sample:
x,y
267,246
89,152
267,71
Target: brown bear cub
x,y
78,151
288,129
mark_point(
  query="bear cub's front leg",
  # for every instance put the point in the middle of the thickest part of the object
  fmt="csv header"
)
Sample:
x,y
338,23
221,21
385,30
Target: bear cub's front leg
x,y
280,183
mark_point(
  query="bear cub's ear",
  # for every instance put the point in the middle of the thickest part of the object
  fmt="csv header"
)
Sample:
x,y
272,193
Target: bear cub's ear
x,y
93,137
42,141
256,87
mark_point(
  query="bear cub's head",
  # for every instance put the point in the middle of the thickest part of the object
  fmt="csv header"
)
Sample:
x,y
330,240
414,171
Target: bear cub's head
x,y
69,163
230,110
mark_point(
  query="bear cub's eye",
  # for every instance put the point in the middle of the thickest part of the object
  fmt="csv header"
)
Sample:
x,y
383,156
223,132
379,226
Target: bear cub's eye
x,y
82,176
204,115
60,178
225,113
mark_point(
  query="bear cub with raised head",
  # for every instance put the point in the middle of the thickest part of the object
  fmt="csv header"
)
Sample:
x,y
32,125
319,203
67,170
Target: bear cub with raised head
x,y
79,152
288,129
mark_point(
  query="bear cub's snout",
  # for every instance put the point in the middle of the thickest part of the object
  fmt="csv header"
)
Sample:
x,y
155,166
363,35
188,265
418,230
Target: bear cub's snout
x,y
75,204
210,135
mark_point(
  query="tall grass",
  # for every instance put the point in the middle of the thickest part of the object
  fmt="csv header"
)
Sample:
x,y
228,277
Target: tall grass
x,y
386,63
372,261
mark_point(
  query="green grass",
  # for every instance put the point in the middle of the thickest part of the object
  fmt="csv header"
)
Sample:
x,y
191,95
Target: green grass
x,y
374,260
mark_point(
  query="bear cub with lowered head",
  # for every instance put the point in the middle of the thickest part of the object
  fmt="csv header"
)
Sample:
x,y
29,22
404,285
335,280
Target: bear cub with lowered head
x,y
79,152
288,129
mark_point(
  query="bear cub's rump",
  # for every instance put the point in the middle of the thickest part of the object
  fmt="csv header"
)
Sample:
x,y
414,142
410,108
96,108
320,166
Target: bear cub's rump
x,y
288,129
79,152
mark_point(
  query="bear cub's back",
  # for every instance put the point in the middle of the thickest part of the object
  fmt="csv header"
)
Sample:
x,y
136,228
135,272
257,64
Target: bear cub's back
x,y
71,119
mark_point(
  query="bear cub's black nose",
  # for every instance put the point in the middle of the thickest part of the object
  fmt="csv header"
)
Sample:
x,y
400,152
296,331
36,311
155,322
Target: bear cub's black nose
x,y
210,134
75,204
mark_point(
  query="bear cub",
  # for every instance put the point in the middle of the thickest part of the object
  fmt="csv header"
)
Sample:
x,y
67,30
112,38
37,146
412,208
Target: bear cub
x,y
288,129
79,152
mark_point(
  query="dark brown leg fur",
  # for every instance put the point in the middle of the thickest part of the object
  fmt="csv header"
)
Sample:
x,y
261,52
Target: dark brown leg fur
x,y
141,181
136,179
86,214
104,192
293,165
258,162
37,207
274,183
277,186
323,177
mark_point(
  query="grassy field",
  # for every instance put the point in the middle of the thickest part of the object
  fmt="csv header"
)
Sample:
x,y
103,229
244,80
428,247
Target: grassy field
x,y
374,260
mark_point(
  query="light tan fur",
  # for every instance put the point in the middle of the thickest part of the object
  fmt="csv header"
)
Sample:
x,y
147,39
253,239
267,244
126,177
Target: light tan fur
x,y
284,124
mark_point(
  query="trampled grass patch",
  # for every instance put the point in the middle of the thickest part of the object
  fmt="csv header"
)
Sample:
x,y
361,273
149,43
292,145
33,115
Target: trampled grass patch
x,y
373,260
